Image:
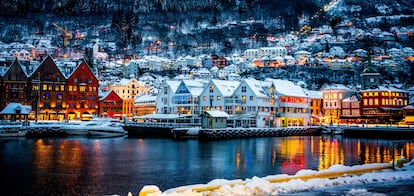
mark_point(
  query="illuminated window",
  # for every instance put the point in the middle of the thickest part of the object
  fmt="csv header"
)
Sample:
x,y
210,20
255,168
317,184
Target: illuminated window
x,y
376,102
62,88
74,88
365,102
375,93
35,88
45,87
218,98
50,87
370,94
82,88
70,89
204,98
365,94
94,89
243,98
57,88
370,102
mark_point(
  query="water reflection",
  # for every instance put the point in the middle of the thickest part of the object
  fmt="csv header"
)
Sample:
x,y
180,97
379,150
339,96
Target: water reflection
x,y
116,166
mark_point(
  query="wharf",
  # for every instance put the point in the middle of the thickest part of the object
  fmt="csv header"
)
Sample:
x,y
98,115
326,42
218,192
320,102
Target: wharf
x,y
390,132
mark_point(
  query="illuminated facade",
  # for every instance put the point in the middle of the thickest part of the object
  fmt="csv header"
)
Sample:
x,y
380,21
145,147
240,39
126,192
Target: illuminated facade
x,y
110,105
82,93
144,104
48,91
315,106
293,104
332,99
383,105
129,90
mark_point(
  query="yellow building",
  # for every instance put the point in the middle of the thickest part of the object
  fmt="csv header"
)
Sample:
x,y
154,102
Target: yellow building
x,y
129,90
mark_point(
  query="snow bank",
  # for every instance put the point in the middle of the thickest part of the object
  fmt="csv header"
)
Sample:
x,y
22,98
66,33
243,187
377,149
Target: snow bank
x,y
303,180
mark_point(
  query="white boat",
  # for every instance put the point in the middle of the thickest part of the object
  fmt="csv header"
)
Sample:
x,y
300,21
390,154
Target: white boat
x,y
80,128
111,128
12,129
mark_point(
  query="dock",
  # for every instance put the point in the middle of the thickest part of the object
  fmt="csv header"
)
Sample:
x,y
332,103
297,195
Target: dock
x,y
389,132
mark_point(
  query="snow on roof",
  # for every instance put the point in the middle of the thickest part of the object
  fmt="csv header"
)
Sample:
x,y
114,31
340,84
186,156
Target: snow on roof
x,y
288,88
145,99
314,94
217,113
195,87
124,82
12,108
173,84
226,87
383,88
335,87
257,87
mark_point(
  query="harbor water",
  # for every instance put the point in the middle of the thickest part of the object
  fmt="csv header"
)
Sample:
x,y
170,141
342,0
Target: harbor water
x,y
88,166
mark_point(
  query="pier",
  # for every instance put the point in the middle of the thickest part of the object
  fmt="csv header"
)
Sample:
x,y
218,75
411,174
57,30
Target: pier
x,y
233,133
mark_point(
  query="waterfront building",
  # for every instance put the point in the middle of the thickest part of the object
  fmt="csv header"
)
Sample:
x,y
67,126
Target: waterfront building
x,y
351,109
186,98
14,84
332,99
164,98
82,93
316,98
144,104
370,77
214,119
251,104
128,90
293,104
110,104
218,96
383,104
48,90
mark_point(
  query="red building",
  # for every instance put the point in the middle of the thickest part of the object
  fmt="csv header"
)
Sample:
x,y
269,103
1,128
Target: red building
x,y
221,62
48,91
110,105
82,93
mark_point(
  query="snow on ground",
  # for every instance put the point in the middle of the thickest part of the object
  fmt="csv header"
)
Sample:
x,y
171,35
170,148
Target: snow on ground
x,y
304,180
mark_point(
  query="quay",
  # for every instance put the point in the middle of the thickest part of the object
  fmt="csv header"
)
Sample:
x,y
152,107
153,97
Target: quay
x,y
233,133
390,132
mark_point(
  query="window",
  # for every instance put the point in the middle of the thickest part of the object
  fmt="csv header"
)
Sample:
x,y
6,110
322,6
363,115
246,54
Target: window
x,y
251,98
70,88
74,88
211,88
376,102
218,98
62,88
45,87
57,87
204,98
82,88
243,89
243,98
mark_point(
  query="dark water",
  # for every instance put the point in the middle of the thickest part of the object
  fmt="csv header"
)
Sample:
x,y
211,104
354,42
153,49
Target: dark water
x,y
83,166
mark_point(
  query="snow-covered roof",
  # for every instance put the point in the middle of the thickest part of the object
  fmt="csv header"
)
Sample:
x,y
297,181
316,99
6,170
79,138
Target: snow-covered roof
x,y
162,116
288,88
314,94
257,87
226,87
145,99
335,87
384,88
217,113
13,108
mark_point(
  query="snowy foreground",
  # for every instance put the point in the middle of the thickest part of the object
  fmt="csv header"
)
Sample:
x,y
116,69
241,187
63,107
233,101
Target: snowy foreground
x,y
304,180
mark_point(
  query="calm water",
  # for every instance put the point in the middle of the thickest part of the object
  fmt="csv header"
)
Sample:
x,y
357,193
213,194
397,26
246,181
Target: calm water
x,y
83,166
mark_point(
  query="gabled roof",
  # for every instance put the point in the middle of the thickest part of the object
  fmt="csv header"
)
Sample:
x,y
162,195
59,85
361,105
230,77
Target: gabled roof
x,y
104,95
77,67
16,63
226,87
49,60
288,88
257,87
314,94
195,87
11,108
